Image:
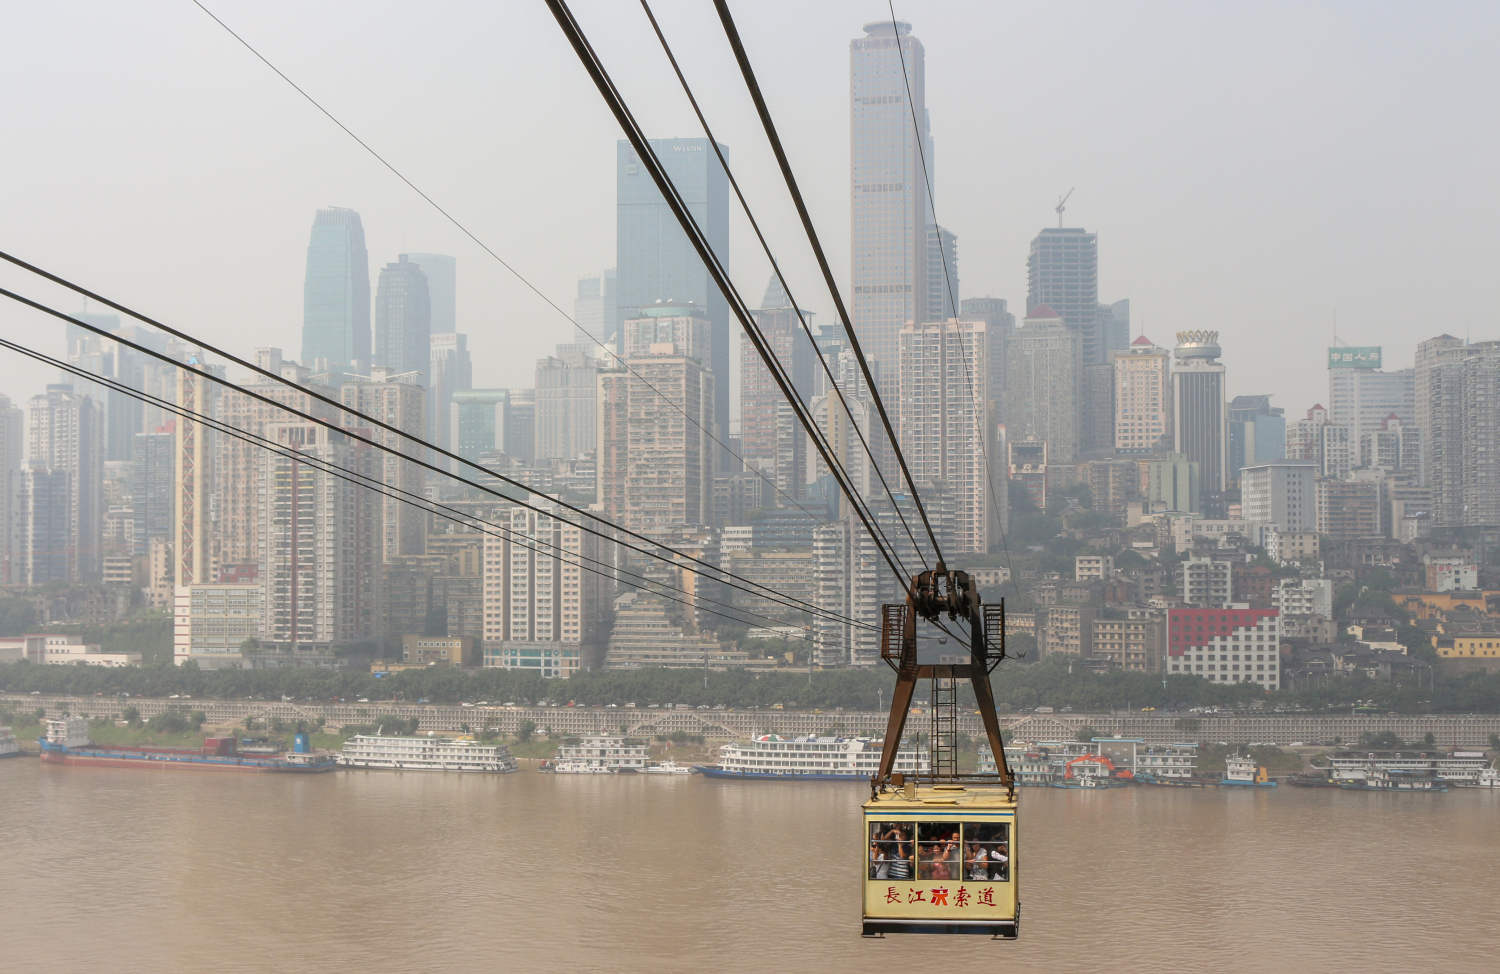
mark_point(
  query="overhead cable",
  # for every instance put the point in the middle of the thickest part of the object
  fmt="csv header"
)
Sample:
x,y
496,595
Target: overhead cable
x,y
376,485
619,359
705,252
713,571
786,171
776,269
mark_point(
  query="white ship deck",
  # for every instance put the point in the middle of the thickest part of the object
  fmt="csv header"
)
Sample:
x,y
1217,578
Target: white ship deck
x,y
426,754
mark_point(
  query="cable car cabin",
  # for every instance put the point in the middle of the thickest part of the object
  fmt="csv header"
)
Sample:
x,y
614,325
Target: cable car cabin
x,y
940,847
941,859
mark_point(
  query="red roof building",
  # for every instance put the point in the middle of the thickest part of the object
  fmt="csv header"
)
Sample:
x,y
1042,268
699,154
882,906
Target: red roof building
x,y
1233,645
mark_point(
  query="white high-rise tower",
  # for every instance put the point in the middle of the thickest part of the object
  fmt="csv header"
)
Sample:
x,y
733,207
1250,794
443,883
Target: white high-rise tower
x,y
890,207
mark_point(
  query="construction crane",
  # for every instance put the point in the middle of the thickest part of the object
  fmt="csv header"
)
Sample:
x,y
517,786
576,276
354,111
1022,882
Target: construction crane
x,y
1062,204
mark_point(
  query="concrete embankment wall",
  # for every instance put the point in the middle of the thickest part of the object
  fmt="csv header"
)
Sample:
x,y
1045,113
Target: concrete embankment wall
x,y
721,725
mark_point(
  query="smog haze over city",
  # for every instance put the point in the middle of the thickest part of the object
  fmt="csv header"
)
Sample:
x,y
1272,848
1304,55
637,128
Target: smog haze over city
x,y
750,486
1257,170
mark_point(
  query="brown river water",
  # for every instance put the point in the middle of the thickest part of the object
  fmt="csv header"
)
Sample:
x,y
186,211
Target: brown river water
x,y
125,871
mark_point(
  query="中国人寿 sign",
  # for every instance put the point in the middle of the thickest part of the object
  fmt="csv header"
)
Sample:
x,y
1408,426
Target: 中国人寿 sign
x,y
1354,357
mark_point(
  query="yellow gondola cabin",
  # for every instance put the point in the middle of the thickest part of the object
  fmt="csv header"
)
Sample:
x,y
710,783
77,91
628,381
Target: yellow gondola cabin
x,y
939,848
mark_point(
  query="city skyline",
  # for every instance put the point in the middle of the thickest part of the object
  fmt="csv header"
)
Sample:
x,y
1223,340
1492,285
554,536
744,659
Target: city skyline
x,y
1375,295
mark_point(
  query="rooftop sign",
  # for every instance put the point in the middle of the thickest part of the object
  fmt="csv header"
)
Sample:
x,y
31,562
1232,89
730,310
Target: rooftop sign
x,y
1352,357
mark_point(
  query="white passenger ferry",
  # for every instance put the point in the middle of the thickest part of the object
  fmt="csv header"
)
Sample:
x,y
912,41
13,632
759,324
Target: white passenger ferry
x,y
600,754
811,759
426,754
9,746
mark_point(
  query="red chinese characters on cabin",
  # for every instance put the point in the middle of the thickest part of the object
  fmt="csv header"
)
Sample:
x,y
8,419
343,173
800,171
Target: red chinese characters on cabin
x,y
961,897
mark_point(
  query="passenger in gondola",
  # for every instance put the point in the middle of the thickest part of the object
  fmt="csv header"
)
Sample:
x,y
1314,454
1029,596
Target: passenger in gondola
x,y
880,866
977,862
898,852
999,863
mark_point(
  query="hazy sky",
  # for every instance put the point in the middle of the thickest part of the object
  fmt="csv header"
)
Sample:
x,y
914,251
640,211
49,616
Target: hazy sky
x,y
1251,168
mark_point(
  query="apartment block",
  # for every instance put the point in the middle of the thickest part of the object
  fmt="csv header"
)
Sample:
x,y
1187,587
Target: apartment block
x,y
1234,644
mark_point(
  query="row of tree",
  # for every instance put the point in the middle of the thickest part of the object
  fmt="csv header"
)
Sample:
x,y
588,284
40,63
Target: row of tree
x,y
1047,683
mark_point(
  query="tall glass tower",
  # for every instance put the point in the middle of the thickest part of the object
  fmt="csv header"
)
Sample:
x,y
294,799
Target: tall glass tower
x,y
656,262
890,206
442,285
403,320
336,295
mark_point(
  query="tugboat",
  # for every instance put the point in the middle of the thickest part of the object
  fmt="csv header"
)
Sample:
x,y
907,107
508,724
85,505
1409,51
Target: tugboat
x,y
1242,772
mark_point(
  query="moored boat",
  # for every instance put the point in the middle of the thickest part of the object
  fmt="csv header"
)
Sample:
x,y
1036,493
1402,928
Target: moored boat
x,y
667,767
461,755
1311,780
67,742
1242,772
1380,779
9,746
810,759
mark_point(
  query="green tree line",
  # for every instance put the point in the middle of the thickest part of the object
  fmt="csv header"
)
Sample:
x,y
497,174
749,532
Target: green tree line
x,y
1016,686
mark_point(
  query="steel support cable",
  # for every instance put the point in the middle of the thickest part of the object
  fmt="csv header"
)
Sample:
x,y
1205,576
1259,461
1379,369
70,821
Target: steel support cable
x,y
791,181
776,269
643,149
415,501
716,269
712,571
952,296
498,259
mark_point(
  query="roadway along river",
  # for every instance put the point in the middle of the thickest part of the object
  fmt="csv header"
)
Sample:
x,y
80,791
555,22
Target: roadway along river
x,y
369,872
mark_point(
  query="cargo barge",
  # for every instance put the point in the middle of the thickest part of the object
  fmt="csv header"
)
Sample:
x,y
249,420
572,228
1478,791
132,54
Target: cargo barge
x,y
67,742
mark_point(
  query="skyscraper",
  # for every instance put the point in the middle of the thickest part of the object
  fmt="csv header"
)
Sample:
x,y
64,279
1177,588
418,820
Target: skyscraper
x,y
12,457
336,295
1462,437
403,320
656,260
151,487
108,359
479,418
942,274
1114,325
594,308
1198,409
320,537
1043,384
999,326
193,553
541,601
451,369
943,415
66,435
567,394
44,548
401,403
520,426
1143,398
889,203
655,467
1429,354
1062,272
771,439
240,493
1257,433
442,289
1332,447
1362,397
